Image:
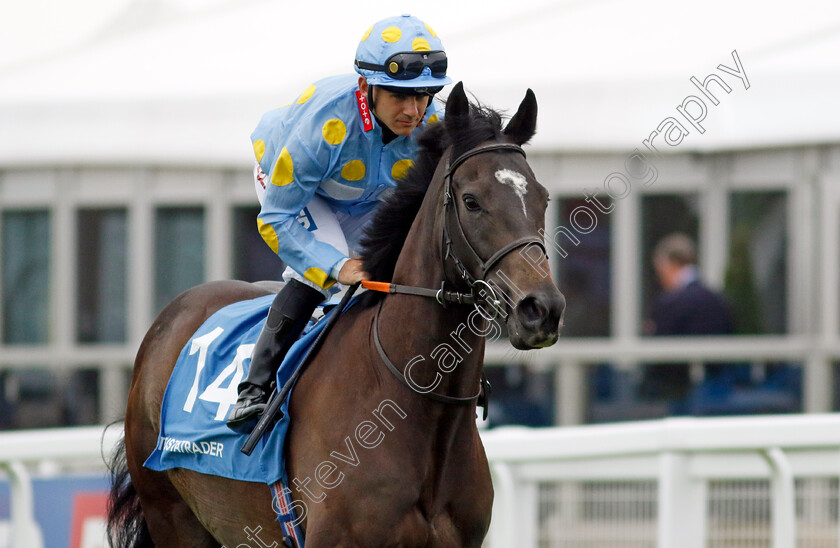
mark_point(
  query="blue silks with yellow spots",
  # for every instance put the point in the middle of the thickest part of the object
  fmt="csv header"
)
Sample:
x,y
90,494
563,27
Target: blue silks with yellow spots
x,y
325,143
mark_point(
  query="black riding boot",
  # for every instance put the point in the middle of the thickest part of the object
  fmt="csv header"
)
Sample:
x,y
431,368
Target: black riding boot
x,y
289,313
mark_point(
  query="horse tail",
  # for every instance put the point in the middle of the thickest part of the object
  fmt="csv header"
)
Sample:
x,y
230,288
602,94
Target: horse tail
x,y
126,524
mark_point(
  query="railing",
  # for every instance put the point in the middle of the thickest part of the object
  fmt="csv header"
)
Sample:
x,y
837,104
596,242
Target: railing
x,y
678,469
56,449
568,359
570,356
673,483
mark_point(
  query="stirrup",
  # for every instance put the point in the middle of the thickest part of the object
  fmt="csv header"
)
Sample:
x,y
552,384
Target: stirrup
x,y
247,409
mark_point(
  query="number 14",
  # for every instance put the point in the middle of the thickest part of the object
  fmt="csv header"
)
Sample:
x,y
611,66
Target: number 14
x,y
215,393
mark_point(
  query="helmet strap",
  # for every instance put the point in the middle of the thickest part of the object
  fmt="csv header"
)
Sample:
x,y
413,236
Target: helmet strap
x,y
387,134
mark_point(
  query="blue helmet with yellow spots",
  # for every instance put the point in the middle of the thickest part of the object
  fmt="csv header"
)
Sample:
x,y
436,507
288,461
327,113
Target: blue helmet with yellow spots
x,y
402,52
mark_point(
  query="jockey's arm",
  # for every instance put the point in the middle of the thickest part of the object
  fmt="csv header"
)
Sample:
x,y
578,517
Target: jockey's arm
x,y
293,176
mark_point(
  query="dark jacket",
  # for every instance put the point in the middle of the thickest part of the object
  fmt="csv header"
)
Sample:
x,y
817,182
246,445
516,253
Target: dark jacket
x,y
692,310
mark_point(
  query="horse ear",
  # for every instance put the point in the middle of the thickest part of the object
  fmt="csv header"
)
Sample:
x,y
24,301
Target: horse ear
x,y
457,105
523,125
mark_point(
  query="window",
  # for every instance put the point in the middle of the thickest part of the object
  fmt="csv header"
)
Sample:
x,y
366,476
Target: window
x,y
253,260
584,277
26,276
756,275
663,215
101,280
40,398
179,252
520,395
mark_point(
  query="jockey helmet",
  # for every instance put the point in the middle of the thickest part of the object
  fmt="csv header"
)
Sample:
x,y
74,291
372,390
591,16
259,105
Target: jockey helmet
x,y
402,52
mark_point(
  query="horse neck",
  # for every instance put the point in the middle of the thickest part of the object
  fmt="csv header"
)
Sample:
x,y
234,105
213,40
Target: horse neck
x,y
421,327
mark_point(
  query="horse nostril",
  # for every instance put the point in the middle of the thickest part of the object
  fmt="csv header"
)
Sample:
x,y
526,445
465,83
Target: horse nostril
x,y
531,311
541,312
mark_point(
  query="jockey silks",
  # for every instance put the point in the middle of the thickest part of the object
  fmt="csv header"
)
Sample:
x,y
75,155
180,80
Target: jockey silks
x,y
319,146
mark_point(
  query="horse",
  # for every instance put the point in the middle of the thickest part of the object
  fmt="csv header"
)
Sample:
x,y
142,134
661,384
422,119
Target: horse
x,y
460,241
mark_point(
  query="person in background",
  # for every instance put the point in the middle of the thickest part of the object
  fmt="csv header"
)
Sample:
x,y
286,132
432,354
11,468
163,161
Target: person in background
x,y
686,307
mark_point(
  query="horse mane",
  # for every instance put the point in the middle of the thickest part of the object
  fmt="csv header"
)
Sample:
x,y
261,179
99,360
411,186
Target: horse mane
x,y
384,237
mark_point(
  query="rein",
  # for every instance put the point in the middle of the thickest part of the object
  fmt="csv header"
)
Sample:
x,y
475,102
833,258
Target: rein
x,y
401,375
455,245
440,295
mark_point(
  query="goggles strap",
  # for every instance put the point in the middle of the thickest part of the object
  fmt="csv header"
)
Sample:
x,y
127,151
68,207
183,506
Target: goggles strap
x,y
401,68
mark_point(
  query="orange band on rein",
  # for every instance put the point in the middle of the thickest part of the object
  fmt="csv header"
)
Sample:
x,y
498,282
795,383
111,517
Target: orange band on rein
x,y
385,287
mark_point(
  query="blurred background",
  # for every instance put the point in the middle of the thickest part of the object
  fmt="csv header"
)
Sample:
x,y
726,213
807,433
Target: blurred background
x,y
125,178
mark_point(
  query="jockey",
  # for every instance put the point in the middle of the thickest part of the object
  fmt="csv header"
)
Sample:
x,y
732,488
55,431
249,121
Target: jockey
x,y
323,162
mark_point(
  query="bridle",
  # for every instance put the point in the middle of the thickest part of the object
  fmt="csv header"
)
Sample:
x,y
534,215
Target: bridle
x,y
456,247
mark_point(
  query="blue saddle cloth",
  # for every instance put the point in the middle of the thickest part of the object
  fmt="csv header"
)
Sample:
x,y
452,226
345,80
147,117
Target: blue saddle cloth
x,y
203,389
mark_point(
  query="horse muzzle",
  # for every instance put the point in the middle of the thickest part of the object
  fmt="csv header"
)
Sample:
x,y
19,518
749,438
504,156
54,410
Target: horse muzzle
x,y
536,320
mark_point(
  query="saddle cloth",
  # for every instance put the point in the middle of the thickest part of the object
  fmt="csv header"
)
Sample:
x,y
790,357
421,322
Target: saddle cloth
x,y
203,389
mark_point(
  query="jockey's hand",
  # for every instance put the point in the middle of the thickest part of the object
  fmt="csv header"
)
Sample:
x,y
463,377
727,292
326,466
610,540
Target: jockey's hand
x,y
352,272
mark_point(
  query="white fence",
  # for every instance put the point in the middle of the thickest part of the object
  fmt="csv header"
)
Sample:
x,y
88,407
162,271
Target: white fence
x,y
46,452
676,483
767,481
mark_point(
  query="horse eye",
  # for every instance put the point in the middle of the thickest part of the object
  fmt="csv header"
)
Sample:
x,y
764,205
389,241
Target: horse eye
x,y
471,203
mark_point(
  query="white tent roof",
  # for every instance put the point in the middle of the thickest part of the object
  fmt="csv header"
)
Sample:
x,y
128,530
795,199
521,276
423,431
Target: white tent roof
x,y
167,82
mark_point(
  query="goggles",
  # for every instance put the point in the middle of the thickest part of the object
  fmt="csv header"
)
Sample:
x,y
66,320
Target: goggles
x,y
408,65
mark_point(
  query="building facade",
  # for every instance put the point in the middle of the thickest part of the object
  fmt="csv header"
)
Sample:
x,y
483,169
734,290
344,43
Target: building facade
x,y
90,254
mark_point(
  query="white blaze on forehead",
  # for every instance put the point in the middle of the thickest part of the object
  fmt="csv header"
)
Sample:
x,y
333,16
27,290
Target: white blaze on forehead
x,y
516,181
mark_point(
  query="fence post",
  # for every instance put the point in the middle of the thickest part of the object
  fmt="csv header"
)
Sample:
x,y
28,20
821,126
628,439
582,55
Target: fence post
x,y
682,504
570,398
514,511
526,526
783,499
25,531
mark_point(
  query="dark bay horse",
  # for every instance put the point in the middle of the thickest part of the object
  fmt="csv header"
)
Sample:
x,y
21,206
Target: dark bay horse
x,y
378,457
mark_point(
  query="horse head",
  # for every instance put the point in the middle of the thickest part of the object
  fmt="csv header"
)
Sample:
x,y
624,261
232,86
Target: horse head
x,y
491,218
